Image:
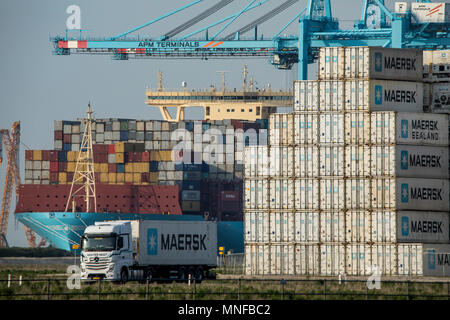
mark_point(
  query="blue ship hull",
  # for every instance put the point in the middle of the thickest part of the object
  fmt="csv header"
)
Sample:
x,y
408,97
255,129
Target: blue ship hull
x,y
64,229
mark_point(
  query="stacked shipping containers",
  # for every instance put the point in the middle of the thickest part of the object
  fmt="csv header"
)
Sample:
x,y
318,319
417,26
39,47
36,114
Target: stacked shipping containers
x,y
436,76
347,174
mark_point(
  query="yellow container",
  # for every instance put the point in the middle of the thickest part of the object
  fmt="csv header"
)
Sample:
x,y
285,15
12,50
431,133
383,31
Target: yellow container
x,y
165,155
37,155
120,158
136,178
97,167
62,177
72,156
112,177
129,177
103,177
120,178
77,177
71,166
154,177
120,147
104,167
129,167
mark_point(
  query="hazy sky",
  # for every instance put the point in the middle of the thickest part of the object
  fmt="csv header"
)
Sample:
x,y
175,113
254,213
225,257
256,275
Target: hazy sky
x,y
38,87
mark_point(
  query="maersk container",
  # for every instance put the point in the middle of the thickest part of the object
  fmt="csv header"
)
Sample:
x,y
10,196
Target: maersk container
x,y
383,95
410,194
256,226
384,259
256,161
331,161
256,194
281,194
306,191
281,131
370,63
332,226
306,127
282,225
307,259
430,12
358,260
409,128
307,226
257,259
332,194
306,95
422,226
331,95
357,161
332,259
357,128
357,193
357,226
410,259
282,259
306,161
331,128
281,161
436,260
410,161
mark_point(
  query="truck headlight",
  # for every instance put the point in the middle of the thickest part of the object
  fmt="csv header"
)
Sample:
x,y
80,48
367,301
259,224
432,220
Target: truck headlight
x,y
110,267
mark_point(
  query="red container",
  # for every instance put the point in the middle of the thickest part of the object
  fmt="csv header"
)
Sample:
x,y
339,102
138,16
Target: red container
x,y
58,135
69,178
53,176
54,166
45,155
28,154
111,167
145,177
67,138
53,155
111,148
146,156
100,148
100,157
137,156
237,124
62,166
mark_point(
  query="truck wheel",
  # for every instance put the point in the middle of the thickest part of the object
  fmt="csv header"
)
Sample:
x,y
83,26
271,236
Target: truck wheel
x,y
124,275
199,275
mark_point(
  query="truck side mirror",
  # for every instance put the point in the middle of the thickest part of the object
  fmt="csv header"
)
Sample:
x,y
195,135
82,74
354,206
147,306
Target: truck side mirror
x,y
120,243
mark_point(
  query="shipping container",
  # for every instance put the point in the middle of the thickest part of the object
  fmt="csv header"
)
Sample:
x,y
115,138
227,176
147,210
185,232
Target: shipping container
x,y
357,193
257,259
332,193
306,96
358,260
331,161
281,226
357,226
357,128
282,259
410,161
307,259
384,259
256,194
281,131
409,128
332,259
336,63
357,161
331,128
281,161
436,96
306,191
281,194
306,161
410,259
430,12
331,93
306,127
256,161
332,226
307,226
256,226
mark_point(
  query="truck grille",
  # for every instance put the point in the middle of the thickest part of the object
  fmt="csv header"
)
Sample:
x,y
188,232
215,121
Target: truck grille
x,y
101,263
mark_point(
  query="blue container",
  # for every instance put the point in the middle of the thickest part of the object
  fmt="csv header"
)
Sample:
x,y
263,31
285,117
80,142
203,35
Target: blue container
x,y
62,156
205,127
192,167
190,126
178,166
191,185
67,147
149,136
123,135
131,135
205,167
154,166
120,168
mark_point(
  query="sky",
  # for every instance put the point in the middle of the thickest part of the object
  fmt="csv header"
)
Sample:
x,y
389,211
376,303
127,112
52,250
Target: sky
x,y
38,87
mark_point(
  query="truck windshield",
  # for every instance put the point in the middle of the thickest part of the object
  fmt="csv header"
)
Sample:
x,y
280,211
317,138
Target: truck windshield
x,y
99,243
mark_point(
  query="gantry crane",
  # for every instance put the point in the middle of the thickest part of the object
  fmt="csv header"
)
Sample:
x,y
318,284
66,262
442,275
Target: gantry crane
x,y
317,28
12,181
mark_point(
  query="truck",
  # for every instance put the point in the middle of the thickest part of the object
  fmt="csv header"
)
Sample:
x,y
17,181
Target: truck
x,y
147,249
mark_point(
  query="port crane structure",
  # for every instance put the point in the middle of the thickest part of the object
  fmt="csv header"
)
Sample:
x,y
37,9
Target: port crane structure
x,y
377,26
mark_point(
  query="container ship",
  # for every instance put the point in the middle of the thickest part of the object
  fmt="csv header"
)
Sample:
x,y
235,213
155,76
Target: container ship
x,y
150,169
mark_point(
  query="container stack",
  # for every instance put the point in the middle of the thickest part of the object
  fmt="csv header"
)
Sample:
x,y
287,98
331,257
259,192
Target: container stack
x,y
436,75
353,176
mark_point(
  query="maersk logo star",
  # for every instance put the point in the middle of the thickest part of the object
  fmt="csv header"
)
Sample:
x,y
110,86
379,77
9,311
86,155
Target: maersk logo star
x,y
431,259
405,226
405,192
152,241
404,129
378,62
378,95
404,160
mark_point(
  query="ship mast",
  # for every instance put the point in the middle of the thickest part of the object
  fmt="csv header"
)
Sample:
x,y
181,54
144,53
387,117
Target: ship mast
x,y
84,177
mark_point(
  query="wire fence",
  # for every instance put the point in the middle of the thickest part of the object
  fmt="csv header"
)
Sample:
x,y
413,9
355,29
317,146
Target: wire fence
x,y
224,289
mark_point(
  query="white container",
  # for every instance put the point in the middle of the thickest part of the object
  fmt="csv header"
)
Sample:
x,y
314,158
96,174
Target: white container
x,y
357,161
257,259
370,63
437,12
357,226
37,165
383,95
45,166
358,259
306,128
435,57
437,97
256,194
256,161
332,194
57,125
332,226
332,259
331,93
357,128
331,128
281,131
307,226
410,161
281,161
331,161
256,226
307,259
281,194
357,193
306,161
282,225
436,260
306,95
422,226
409,128
384,259
410,259
306,191
410,194
383,226
282,259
